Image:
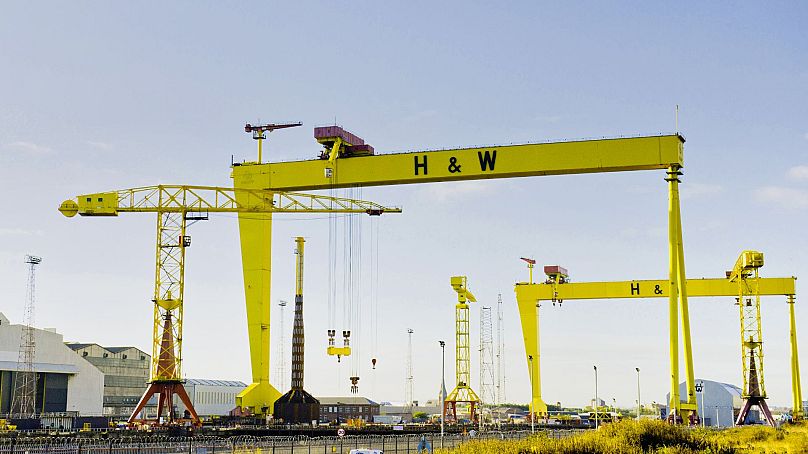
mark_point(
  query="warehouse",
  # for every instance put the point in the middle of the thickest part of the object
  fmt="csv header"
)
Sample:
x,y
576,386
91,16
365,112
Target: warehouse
x,y
126,371
211,397
66,382
719,403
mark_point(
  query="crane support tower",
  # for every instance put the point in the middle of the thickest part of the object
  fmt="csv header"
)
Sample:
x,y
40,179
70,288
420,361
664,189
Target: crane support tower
x,y
556,290
23,402
745,274
343,170
175,205
298,406
462,393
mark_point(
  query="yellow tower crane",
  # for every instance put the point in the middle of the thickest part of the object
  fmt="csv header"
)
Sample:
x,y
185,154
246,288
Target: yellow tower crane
x,y
175,205
462,392
746,275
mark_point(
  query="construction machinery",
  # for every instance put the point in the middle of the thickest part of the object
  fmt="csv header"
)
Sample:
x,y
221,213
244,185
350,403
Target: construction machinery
x,y
298,406
259,133
557,289
175,206
746,275
337,167
462,392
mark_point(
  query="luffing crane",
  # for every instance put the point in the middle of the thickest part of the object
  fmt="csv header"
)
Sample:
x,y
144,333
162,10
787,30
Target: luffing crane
x,y
745,273
462,393
175,205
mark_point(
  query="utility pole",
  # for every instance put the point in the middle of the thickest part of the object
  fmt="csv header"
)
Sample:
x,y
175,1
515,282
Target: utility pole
x,y
500,353
442,388
409,382
596,397
639,402
24,400
280,369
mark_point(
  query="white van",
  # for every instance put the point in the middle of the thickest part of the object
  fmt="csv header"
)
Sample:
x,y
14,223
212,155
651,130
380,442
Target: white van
x,y
366,451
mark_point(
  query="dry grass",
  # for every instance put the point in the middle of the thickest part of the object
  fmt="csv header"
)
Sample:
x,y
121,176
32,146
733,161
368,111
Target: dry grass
x,y
629,437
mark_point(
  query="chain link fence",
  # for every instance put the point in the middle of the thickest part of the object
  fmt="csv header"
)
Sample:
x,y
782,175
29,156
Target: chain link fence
x,y
389,444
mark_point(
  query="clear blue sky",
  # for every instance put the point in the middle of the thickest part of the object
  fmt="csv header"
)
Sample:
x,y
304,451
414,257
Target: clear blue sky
x,y
97,96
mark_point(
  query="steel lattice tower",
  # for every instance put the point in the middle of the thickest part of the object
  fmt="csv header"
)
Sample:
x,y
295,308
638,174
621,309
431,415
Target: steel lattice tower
x,y
500,353
487,387
24,400
409,378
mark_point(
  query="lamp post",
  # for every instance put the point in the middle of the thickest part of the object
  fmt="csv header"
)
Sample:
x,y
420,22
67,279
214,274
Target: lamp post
x,y
596,396
532,416
442,388
614,408
639,405
700,390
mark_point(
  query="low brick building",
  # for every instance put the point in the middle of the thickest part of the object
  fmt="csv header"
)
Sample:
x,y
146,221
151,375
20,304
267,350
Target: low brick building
x,y
341,409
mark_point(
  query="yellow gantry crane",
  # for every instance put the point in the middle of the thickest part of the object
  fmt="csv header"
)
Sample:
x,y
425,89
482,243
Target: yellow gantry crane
x,y
346,161
175,205
746,275
462,392
557,288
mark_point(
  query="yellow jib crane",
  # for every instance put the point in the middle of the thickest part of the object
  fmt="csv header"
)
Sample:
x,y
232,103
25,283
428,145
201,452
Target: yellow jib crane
x,y
462,392
558,289
175,205
745,274
346,162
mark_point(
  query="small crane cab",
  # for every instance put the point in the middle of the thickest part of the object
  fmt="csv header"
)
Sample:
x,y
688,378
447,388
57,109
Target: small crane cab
x,y
98,204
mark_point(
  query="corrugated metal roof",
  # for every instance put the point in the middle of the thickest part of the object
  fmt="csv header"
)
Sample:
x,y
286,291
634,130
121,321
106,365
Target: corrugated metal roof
x,y
77,345
345,401
206,382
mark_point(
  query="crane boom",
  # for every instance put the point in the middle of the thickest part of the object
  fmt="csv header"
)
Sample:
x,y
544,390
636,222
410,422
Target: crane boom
x,y
174,206
211,199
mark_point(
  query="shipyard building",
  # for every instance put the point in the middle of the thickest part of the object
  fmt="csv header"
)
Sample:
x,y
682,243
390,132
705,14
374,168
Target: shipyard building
x,y
66,382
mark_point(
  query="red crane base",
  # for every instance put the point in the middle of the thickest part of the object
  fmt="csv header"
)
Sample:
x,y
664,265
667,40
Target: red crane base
x,y
165,392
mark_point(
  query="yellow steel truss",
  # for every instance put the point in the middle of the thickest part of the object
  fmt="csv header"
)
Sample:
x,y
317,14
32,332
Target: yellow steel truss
x,y
174,206
462,392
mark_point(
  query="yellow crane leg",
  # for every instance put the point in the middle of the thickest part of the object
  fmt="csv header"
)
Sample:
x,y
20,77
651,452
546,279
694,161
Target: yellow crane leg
x,y
529,315
673,294
256,252
796,388
677,302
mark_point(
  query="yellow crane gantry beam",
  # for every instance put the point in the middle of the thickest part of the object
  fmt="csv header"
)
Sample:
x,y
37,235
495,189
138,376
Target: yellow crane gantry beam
x,y
506,161
529,295
174,206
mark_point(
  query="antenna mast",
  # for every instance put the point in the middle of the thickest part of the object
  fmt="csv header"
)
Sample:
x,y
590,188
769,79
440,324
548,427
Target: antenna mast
x,y
280,369
500,353
487,388
24,401
409,382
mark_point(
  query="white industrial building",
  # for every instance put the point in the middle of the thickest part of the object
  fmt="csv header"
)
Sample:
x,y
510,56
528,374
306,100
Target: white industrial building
x,y
66,382
211,397
719,403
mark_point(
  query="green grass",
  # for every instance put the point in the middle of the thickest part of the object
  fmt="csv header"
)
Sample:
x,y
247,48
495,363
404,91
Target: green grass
x,y
630,437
